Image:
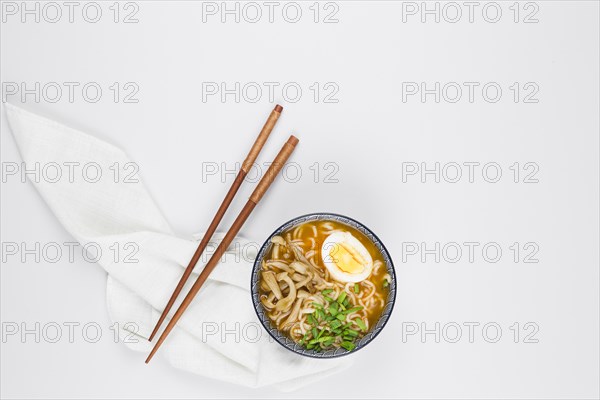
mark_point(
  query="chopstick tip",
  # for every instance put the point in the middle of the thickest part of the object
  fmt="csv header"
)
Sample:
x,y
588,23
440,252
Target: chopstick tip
x,y
293,140
278,108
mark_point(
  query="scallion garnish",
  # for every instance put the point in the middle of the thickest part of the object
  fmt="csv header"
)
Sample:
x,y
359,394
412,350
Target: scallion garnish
x,y
348,345
353,310
360,324
328,325
351,332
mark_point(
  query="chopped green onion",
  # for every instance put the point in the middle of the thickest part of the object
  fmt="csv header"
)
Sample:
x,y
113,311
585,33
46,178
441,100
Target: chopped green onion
x,y
348,345
329,326
304,338
360,324
353,310
351,332
356,288
333,311
320,340
320,314
386,283
321,332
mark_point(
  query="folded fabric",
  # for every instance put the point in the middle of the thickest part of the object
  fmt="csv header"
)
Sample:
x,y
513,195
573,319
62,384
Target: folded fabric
x,y
219,336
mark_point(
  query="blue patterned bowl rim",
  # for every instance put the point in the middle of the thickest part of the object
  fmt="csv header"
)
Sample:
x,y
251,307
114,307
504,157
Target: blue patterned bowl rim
x,y
281,338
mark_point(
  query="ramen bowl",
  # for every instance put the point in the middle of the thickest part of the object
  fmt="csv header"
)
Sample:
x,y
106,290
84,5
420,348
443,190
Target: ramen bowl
x,y
323,285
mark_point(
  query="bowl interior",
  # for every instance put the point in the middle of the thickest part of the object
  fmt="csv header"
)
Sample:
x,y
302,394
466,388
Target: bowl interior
x,y
282,338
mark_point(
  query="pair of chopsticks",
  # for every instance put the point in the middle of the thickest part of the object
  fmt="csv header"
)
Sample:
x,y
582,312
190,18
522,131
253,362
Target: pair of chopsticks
x,y
258,193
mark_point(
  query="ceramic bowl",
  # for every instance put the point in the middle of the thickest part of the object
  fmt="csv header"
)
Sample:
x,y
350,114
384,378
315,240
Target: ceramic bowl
x,y
280,337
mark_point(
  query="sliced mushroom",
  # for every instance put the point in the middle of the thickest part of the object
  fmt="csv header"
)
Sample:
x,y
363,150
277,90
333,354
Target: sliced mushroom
x,y
267,302
279,265
286,302
278,240
304,282
271,281
298,252
299,267
298,277
295,312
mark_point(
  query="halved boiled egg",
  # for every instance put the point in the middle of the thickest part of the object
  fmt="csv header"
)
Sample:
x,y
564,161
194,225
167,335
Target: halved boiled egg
x,y
345,257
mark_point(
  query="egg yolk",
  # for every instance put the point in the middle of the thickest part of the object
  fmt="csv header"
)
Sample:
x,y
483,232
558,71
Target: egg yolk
x,y
347,259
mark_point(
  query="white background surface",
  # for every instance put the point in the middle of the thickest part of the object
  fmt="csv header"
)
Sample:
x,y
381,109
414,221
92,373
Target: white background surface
x,y
368,134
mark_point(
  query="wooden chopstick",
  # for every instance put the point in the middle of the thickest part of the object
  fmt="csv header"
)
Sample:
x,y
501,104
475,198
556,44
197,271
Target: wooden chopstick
x,y
258,193
246,165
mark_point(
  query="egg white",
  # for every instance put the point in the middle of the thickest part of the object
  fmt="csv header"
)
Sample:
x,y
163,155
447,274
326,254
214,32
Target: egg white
x,y
335,239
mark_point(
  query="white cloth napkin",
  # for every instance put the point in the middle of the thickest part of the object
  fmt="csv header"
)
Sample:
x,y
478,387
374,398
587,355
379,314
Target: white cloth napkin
x,y
217,336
